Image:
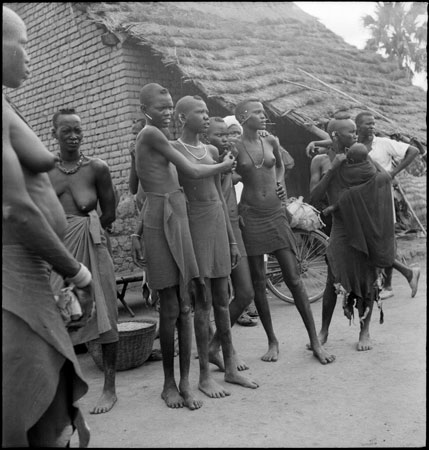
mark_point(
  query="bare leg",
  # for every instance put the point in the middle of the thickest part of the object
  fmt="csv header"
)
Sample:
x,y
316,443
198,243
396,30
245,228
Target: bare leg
x,y
364,343
412,274
243,294
185,345
223,326
203,305
257,270
168,316
108,397
289,268
328,307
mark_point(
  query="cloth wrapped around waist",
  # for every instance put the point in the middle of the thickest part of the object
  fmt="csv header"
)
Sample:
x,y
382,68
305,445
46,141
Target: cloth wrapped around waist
x,y
35,341
86,241
265,230
168,244
210,238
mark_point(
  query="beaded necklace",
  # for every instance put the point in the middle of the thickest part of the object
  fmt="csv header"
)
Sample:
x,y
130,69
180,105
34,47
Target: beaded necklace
x,y
196,157
257,166
74,169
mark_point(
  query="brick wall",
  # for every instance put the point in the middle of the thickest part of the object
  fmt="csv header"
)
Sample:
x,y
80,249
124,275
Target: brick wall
x,y
71,67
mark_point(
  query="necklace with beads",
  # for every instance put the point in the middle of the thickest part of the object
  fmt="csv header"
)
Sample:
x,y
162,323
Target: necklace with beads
x,y
199,158
74,169
257,166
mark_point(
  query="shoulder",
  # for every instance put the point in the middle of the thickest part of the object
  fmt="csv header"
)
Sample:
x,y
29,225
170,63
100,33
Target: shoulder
x,y
212,150
97,164
319,160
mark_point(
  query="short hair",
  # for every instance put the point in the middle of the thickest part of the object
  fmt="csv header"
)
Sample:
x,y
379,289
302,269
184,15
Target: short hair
x,y
361,115
357,152
184,104
62,112
242,106
150,91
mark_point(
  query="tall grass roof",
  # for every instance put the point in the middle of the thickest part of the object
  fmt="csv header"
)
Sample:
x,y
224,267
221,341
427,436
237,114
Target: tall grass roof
x,y
273,51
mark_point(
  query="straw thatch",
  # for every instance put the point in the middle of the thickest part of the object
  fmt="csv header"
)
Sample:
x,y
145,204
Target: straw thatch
x,y
272,51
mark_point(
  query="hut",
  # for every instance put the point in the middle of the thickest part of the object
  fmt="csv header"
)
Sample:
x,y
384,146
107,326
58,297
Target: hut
x,y
95,57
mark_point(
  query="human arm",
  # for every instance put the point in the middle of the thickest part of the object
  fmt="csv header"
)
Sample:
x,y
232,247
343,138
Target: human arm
x,y
105,192
133,180
311,147
235,252
318,184
410,155
137,252
155,139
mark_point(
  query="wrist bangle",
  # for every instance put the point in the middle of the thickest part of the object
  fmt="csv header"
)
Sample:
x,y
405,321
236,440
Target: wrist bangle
x,y
136,235
233,243
82,278
423,154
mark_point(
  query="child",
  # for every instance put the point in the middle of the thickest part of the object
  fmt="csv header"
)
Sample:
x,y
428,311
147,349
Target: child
x,y
356,154
214,243
171,263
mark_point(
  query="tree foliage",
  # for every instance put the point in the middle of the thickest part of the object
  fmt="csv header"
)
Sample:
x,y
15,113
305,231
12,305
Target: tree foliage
x,y
400,30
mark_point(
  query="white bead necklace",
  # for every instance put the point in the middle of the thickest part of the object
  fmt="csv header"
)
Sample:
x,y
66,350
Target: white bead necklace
x,y
193,146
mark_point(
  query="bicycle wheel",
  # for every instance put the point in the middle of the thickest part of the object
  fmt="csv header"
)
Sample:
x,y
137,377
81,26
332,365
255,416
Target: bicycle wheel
x,y
311,251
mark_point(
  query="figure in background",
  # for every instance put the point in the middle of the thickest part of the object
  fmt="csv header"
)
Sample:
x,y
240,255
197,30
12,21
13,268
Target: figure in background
x,y
81,183
266,227
215,247
171,264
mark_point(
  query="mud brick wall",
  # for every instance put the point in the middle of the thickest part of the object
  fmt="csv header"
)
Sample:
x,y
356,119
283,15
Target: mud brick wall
x,y
72,67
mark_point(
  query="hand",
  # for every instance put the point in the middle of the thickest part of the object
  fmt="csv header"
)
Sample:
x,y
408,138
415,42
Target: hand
x,y
228,161
328,210
235,255
281,193
339,158
87,303
311,149
137,252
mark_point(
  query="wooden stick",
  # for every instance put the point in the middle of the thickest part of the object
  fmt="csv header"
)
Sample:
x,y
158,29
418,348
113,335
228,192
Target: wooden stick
x,y
306,87
343,93
411,208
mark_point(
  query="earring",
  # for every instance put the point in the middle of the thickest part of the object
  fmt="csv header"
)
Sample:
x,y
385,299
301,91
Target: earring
x,y
147,115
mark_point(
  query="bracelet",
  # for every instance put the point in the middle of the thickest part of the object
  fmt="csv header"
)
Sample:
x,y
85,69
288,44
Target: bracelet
x,y
136,235
233,243
82,278
423,154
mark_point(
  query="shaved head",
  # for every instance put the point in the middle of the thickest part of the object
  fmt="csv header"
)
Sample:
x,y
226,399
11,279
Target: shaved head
x,y
241,109
150,92
11,23
338,125
185,104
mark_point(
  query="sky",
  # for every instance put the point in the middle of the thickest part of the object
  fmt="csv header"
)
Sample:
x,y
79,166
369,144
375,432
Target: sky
x,y
345,19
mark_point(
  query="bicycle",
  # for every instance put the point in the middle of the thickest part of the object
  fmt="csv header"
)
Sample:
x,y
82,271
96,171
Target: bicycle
x,y
311,252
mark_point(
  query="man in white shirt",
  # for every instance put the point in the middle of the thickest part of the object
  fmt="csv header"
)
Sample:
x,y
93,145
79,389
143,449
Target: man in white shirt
x,y
393,156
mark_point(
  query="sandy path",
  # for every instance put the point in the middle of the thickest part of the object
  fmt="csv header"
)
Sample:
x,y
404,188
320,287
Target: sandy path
x,y
374,398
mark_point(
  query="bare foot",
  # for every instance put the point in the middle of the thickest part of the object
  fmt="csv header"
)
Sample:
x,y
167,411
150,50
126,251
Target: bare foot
x,y
240,364
189,398
237,378
172,397
364,343
216,359
212,389
323,338
414,282
105,403
272,354
323,356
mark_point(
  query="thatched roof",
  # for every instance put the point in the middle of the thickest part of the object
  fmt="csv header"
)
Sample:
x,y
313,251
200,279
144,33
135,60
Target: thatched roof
x,y
273,51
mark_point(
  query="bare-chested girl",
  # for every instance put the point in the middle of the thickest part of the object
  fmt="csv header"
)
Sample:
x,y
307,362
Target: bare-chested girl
x,y
266,228
171,263
214,244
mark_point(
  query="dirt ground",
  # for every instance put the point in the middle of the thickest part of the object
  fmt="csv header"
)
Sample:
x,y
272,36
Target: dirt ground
x,y
364,399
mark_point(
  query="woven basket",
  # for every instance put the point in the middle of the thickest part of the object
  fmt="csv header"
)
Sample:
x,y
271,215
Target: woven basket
x,y
134,346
